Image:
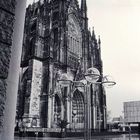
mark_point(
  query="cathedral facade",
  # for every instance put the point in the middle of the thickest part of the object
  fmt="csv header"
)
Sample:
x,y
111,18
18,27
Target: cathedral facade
x,y
57,40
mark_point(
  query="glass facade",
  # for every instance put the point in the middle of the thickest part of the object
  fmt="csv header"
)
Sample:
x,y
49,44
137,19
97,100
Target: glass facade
x,y
132,112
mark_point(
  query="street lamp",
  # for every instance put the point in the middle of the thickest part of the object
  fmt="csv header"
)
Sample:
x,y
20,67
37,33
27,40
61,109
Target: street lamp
x,y
74,112
99,120
91,77
108,81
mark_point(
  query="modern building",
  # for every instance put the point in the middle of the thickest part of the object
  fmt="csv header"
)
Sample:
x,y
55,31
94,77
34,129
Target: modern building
x,y
132,112
132,115
57,40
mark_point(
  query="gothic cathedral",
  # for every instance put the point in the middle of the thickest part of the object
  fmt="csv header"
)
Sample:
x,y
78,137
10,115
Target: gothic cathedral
x,y
57,40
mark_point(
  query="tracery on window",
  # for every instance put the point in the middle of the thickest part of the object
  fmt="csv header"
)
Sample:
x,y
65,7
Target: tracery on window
x,y
78,109
75,36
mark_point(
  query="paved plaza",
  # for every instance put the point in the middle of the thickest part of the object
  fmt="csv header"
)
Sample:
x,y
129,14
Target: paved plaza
x,y
113,137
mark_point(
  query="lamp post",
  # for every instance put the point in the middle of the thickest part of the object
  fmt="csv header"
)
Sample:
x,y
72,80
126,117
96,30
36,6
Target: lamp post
x,y
91,77
74,112
99,120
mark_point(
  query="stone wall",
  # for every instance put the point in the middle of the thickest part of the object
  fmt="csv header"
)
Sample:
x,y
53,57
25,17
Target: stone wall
x,y
7,17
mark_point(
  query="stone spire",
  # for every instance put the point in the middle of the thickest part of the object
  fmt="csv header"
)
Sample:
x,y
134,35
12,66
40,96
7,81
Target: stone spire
x,y
45,6
84,21
93,33
84,8
99,41
93,37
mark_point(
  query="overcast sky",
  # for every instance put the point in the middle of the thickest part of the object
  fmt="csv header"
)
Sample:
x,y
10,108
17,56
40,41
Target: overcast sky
x,y
118,24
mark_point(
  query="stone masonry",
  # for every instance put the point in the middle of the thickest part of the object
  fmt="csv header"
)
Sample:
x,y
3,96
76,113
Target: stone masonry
x,y
7,17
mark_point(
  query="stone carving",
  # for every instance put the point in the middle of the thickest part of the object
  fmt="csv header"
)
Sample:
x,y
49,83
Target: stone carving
x,y
36,88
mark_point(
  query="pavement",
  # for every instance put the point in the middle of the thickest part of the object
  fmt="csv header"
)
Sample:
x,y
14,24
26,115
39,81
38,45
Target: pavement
x,y
107,137
48,138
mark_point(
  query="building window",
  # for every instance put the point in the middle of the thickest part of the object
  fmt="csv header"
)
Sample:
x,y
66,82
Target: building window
x,y
57,109
33,26
78,109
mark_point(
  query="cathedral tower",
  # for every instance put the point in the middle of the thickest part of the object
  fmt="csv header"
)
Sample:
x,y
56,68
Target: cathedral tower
x,y
57,41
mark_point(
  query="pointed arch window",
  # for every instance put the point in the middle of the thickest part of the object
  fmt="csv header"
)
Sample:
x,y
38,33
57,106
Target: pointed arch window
x,y
57,109
78,109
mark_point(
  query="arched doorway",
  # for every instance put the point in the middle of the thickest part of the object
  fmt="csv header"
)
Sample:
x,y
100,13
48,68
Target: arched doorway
x,y
57,109
78,110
